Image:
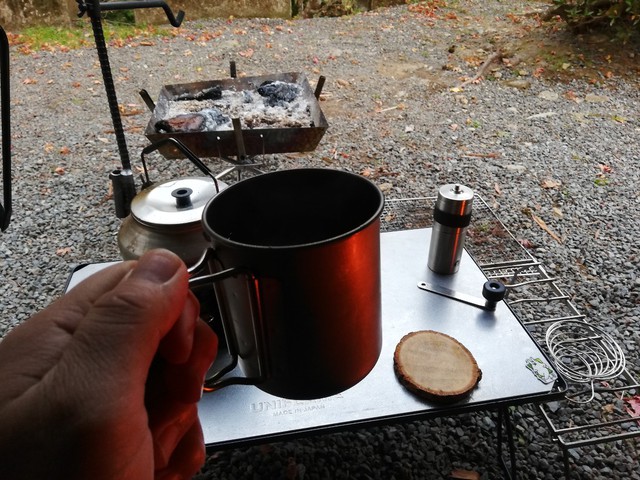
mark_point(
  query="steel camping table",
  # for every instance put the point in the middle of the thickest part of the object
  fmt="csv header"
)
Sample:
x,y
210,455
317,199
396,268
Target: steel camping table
x,y
241,415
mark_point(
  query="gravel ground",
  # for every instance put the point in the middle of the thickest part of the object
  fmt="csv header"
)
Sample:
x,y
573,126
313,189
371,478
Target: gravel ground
x,y
551,133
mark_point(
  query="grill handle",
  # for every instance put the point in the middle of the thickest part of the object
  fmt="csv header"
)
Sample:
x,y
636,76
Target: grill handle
x,y
184,149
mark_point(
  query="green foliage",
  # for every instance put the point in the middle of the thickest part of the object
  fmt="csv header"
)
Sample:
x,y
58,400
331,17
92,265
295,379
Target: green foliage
x,y
592,14
80,35
37,38
120,17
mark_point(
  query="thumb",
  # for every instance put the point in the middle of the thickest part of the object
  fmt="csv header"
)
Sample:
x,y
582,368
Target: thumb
x,y
123,327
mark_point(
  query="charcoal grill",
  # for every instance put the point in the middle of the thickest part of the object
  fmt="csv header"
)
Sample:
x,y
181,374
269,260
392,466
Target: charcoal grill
x,y
239,141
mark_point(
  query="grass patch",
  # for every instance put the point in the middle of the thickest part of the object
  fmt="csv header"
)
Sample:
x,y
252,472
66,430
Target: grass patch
x,y
80,35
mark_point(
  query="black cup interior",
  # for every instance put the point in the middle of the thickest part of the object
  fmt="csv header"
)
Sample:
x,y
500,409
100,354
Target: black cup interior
x,y
293,207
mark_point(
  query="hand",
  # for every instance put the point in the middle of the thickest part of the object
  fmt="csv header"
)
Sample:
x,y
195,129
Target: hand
x,y
103,384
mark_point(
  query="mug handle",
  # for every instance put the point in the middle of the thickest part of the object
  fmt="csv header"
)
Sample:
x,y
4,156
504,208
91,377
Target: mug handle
x,y
220,379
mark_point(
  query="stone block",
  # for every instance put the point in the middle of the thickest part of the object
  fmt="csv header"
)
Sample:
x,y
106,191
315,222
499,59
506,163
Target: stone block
x,y
16,14
197,9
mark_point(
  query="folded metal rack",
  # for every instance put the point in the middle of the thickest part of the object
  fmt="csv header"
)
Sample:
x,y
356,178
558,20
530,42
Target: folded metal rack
x,y
593,412
5,123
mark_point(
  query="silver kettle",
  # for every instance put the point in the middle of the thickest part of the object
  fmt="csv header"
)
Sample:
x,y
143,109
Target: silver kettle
x,y
169,214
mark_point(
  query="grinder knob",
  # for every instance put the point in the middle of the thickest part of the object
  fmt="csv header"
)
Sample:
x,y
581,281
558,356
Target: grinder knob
x,y
493,291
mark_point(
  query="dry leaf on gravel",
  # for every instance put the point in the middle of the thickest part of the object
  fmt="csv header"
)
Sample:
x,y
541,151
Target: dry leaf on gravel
x,y
459,474
541,223
550,183
633,406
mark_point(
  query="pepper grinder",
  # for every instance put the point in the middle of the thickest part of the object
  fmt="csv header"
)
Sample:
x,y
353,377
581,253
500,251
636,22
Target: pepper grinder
x,y
451,217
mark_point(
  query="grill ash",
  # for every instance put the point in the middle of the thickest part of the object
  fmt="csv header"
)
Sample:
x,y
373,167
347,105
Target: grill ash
x,y
273,104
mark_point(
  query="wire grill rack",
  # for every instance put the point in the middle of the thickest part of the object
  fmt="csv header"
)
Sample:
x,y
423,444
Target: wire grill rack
x,y
590,414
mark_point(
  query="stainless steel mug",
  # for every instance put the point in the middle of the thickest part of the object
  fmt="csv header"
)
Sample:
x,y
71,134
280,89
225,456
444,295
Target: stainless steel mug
x,y
451,217
295,262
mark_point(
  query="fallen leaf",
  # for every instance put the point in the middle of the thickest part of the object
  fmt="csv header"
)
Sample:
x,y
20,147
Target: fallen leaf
x,y
550,183
609,408
459,474
248,53
65,151
604,168
633,406
571,95
61,252
497,188
59,170
147,43
526,243
483,155
130,109
29,81
544,226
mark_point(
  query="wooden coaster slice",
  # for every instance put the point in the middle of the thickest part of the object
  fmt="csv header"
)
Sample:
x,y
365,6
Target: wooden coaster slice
x,y
435,366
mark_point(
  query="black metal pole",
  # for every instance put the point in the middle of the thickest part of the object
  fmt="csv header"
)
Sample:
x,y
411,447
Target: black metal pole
x,y
5,210
125,189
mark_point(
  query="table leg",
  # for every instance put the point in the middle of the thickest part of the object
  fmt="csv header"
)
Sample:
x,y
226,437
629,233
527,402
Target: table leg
x,y
510,470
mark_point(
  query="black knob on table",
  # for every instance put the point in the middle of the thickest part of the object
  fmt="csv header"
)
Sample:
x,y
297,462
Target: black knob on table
x,y
493,291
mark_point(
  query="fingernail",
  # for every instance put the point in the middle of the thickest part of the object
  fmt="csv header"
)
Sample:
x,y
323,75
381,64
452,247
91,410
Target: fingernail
x,y
158,266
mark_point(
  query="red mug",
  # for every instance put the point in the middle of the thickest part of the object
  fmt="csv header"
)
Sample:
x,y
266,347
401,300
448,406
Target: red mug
x,y
294,258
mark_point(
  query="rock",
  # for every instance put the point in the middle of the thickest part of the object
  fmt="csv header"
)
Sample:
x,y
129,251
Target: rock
x,y
548,95
591,98
519,84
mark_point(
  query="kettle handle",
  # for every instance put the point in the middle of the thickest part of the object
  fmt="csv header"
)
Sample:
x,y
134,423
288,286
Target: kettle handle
x,y
220,378
184,149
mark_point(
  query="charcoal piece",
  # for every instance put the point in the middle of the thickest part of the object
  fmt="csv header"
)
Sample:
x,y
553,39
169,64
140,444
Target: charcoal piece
x,y
212,93
278,93
190,122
